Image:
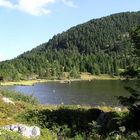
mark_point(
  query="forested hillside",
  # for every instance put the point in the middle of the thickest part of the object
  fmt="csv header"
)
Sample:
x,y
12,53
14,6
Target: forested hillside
x,y
100,46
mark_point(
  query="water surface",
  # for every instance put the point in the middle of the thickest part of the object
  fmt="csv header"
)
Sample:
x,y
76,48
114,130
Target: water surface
x,y
101,92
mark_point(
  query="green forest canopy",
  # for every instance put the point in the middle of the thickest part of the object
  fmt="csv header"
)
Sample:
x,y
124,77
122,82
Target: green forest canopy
x,y
100,46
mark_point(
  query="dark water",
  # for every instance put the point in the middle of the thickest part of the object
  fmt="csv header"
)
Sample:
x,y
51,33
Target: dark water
x,y
83,93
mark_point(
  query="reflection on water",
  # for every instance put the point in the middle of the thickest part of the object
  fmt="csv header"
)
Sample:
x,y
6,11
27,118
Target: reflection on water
x,y
83,92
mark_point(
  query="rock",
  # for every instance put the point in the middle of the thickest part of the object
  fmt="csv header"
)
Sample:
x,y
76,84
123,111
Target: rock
x,y
36,131
29,131
14,128
117,109
26,131
7,100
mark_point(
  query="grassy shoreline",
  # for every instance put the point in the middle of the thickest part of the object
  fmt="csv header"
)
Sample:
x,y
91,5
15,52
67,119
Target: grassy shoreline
x,y
83,77
23,82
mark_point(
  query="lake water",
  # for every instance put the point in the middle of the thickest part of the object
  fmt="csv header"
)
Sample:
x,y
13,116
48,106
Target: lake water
x,y
80,92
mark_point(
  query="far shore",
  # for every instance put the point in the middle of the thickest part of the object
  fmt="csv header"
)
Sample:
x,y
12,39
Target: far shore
x,y
83,77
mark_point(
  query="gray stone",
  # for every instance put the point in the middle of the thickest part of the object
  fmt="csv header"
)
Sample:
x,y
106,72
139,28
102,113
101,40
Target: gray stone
x,y
35,131
14,128
24,130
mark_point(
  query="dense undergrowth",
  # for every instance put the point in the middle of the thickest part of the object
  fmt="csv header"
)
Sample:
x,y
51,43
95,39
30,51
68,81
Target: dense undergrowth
x,y
63,122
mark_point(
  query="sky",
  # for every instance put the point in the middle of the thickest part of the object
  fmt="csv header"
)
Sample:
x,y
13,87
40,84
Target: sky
x,y
25,24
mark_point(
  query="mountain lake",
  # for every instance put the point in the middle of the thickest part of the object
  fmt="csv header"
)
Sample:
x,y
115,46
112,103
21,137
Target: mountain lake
x,y
98,92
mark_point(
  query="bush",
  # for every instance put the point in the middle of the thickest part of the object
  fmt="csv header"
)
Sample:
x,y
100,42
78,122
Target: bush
x,y
8,135
18,96
47,135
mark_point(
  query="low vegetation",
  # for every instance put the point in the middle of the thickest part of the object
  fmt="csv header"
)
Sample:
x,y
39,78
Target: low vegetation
x,y
64,122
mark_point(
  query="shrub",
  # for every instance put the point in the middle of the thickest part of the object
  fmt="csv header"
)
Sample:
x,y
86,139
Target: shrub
x,y
18,96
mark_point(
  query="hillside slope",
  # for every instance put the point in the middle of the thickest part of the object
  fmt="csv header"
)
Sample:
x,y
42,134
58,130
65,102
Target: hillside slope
x,y
98,46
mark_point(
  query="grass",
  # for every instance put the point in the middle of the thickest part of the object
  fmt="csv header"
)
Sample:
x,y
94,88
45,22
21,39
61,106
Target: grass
x,y
88,76
23,83
83,76
18,97
7,135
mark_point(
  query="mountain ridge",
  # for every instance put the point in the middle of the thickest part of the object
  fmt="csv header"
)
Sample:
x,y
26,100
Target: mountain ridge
x,y
98,46
85,23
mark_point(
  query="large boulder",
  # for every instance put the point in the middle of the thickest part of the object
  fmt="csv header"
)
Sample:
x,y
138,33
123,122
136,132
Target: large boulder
x,y
26,131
